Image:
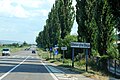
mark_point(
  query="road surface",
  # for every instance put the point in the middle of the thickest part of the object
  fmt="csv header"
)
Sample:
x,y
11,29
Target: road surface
x,y
23,65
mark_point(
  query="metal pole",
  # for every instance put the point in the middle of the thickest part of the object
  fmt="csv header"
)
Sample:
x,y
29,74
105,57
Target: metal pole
x,y
116,37
108,64
115,67
50,54
63,56
86,59
116,47
72,57
53,54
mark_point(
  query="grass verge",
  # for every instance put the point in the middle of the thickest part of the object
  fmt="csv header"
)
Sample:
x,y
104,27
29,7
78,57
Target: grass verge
x,y
79,66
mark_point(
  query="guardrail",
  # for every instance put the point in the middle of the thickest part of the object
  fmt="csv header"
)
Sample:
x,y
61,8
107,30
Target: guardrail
x,y
114,66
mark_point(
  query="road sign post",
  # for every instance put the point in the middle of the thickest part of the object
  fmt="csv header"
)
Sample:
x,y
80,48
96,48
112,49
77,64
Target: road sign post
x,y
50,52
55,51
86,59
80,45
63,48
72,57
63,56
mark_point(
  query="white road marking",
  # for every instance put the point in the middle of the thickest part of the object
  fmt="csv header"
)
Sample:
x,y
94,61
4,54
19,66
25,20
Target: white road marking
x,y
13,68
54,77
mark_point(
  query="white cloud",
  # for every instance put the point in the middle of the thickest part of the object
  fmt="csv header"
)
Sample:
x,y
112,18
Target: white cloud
x,y
5,30
51,2
15,8
42,12
20,12
6,8
30,3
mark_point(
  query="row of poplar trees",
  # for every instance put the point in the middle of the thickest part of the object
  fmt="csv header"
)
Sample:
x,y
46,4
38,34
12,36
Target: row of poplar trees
x,y
97,22
58,25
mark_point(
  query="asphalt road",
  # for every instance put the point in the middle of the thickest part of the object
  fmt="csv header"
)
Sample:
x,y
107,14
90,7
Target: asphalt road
x,y
23,65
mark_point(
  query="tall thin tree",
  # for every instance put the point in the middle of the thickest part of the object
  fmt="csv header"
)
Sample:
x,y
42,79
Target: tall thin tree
x,y
66,15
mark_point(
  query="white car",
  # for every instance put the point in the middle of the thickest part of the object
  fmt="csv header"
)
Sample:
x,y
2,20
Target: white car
x,y
6,52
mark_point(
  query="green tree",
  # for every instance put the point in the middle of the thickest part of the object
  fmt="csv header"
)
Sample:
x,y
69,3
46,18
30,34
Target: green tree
x,y
115,9
15,44
66,43
87,29
39,39
51,32
60,21
105,24
55,25
46,36
50,27
80,18
25,43
66,15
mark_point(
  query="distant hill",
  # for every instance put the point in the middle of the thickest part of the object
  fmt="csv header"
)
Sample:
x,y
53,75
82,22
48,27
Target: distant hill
x,y
9,42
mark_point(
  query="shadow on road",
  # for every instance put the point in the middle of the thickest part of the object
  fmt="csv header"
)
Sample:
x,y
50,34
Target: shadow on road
x,y
29,66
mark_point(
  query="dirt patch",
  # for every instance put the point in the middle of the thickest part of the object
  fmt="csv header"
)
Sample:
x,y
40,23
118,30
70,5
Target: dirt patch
x,y
96,76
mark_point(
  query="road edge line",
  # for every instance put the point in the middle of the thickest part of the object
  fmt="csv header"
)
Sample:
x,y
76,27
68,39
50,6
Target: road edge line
x,y
52,74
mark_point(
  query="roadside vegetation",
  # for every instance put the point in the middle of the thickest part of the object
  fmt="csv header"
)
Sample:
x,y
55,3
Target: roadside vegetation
x,y
15,47
93,72
98,24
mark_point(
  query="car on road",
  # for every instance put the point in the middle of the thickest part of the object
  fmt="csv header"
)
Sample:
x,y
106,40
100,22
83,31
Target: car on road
x,y
6,52
33,51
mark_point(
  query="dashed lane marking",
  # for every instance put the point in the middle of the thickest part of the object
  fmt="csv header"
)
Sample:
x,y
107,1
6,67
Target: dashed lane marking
x,y
13,68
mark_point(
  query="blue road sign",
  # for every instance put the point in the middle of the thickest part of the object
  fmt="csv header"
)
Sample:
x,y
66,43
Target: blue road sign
x,y
56,52
50,49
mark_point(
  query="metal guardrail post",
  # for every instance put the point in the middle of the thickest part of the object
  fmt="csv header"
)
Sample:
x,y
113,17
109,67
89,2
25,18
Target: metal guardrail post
x,y
115,66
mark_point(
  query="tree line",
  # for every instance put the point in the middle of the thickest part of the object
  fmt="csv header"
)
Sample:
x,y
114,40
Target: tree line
x,y
98,21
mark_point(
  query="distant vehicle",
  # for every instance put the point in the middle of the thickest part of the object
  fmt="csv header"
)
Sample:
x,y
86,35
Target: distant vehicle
x,y
6,52
33,51
27,49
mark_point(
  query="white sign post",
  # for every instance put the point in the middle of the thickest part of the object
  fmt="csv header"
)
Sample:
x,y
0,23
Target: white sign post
x,y
63,48
80,45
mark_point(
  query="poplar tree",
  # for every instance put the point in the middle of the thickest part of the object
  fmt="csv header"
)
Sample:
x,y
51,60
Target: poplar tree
x,y
115,9
39,39
66,15
105,24
87,29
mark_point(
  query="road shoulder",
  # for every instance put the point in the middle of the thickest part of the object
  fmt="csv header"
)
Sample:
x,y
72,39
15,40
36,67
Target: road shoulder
x,y
63,73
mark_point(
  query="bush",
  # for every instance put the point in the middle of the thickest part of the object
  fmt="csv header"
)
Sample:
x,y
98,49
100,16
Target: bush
x,y
113,52
66,42
81,63
95,53
67,61
79,56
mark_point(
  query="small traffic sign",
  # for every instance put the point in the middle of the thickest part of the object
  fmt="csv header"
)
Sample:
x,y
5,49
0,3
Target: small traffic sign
x,y
63,48
56,52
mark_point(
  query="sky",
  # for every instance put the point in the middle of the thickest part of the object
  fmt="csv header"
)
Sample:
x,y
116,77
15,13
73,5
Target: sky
x,y
22,20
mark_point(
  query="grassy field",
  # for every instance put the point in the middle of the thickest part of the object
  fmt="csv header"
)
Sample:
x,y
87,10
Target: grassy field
x,y
79,66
